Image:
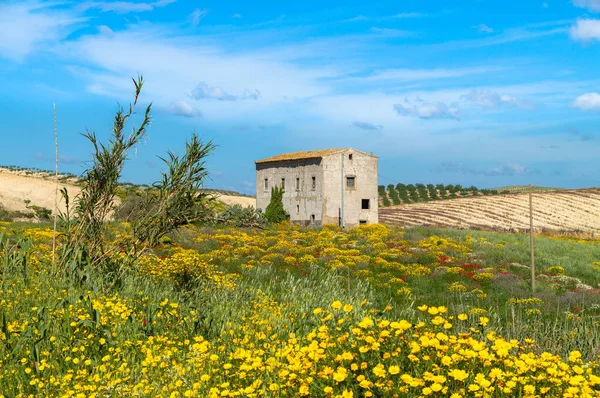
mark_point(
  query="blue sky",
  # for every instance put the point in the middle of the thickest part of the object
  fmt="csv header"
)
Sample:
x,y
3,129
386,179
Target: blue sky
x,y
485,93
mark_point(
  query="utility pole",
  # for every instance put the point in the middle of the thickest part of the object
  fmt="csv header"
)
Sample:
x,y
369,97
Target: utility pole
x,y
531,237
342,208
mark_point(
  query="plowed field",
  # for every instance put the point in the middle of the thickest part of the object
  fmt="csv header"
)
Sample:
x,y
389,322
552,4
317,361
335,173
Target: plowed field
x,y
569,210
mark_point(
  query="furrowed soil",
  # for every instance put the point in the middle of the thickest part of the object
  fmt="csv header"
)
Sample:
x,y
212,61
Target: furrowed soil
x,y
568,210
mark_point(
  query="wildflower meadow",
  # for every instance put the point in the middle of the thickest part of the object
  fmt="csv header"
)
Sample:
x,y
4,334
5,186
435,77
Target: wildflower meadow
x,y
369,312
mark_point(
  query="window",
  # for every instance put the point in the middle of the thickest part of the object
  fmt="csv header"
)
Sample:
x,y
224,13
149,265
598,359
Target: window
x,y
362,222
266,184
297,209
350,157
297,183
283,183
314,183
365,204
350,182
312,218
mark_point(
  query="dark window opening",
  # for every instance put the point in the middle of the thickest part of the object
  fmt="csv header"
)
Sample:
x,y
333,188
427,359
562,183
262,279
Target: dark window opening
x,y
351,182
312,218
283,183
297,183
365,204
350,157
266,184
297,209
362,222
314,183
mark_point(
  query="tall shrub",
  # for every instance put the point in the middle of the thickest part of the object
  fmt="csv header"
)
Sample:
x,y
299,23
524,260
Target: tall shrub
x,y
275,212
172,202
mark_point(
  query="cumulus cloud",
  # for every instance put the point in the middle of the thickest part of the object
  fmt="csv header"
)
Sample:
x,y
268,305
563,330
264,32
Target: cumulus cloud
x,y
204,91
183,108
490,99
588,102
592,5
586,30
483,28
507,170
428,110
197,15
366,125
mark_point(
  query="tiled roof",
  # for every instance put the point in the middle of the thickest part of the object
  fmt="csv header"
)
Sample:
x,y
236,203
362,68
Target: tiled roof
x,y
304,155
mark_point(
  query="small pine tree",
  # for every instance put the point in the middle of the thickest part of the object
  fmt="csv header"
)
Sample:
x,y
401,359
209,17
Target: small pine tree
x,y
275,212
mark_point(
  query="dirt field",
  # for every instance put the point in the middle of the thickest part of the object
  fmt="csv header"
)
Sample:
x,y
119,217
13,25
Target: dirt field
x,y
240,200
16,187
569,210
39,188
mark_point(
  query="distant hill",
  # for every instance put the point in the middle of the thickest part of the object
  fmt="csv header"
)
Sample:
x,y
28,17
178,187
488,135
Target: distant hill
x,y
26,192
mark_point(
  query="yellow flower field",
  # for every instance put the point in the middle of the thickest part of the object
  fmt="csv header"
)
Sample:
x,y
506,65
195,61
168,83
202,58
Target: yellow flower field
x,y
287,312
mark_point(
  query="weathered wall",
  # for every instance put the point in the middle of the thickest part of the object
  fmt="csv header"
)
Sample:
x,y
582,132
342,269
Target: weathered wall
x,y
364,168
301,203
324,202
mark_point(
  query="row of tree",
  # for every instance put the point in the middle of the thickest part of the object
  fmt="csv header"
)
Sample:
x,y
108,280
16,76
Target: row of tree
x,y
412,193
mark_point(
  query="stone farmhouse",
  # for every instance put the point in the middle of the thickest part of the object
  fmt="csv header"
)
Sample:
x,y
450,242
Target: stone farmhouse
x,y
328,186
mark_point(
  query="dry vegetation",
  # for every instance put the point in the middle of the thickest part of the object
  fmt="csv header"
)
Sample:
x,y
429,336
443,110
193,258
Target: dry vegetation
x,y
568,210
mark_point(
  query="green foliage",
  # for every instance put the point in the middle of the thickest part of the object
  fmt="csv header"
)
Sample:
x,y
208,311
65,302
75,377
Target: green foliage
x,y
41,213
99,183
394,195
239,216
174,201
275,212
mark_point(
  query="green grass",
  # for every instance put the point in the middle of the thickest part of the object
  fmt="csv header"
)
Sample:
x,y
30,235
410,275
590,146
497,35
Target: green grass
x,y
576,256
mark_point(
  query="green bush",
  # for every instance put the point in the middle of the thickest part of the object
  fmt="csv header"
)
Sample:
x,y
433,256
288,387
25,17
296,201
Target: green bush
x,y
275,212
239,216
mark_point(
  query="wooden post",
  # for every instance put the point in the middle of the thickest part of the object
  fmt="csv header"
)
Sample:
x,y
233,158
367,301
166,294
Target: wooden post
x,y
531,237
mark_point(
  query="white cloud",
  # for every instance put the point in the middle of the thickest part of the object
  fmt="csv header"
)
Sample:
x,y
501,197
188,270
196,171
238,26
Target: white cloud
x,y
366,125
183,108
483,28
588,102
490,99
586,30
387,32
236,15
197,15
426,74
204,91
123,7
428,110
105,30
173,65
26,26
592,5
405,15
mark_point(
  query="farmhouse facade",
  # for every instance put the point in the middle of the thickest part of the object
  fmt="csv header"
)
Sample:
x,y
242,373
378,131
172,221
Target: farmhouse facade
x,y
322,186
